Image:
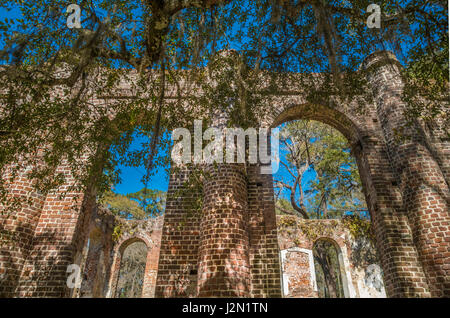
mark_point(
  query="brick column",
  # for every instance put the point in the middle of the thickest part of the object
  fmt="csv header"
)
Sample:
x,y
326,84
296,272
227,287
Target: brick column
x,y
177,266
264,251
419,177
224,268
402,271
17,228
58,241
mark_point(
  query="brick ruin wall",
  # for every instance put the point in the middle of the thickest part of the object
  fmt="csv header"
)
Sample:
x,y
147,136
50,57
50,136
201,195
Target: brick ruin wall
x,y
361,274
219,253
107,240
359,267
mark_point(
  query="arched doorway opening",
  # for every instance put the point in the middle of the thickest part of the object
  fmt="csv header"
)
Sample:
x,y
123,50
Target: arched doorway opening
x,y
318,176
131,275
324,177
328,265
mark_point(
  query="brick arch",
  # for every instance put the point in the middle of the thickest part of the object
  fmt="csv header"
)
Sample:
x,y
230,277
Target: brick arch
x,y
336,240
349,123
354,128
127,241
119,249
389,170
345,123
366,133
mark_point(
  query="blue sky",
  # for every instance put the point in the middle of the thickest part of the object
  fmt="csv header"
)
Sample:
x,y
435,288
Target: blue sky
x,y
132,176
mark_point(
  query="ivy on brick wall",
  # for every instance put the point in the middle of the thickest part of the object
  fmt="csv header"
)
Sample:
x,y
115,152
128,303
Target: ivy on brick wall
x,y
117,232
191,192
312,229
359,228
315,230
128,227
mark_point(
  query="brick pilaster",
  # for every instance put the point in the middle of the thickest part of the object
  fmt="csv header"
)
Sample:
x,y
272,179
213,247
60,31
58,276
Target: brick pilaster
x,y
224,267
419,177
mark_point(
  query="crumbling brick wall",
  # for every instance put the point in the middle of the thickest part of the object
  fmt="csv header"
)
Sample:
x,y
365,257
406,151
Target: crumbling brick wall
x,y
361,275
17,231
358,265
405,182
148,231
108,237
96,263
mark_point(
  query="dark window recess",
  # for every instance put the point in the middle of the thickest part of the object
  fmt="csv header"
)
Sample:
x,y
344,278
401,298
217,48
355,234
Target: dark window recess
x,y
193,272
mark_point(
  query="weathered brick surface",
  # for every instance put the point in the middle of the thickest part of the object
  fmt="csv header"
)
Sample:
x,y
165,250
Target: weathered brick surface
x,y
420,180
58,227
224,266
177,270
295,248
97,254
297,275
17,231
264,260
296,239
405,182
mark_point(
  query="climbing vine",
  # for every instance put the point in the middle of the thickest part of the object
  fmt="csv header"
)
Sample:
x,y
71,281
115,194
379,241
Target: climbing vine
x,y
314,230
117,232
358,227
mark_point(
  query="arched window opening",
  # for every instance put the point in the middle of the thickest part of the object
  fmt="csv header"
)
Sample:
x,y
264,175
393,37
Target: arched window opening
x,y
318,176
132,271
327,266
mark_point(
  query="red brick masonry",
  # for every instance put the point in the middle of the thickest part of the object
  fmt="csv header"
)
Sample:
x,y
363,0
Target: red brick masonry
x,y
231,249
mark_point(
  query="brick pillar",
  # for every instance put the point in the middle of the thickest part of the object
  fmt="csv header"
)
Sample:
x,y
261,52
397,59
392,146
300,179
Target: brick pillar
x,y
17,228
402,271
177,266
224,268
58,241
264,251
419,177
